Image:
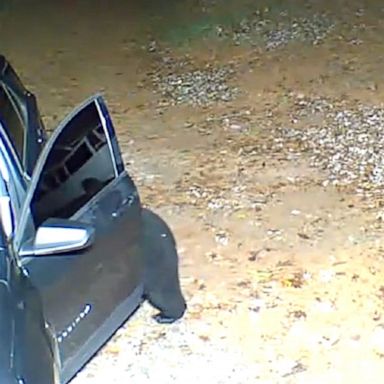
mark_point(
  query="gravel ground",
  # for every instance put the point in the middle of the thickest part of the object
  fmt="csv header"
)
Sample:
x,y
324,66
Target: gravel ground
x,y
199,87
345,140
274,32
338,138
141,352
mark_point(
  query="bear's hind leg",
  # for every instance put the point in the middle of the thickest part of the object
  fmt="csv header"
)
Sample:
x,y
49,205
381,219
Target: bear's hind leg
x,y
169,301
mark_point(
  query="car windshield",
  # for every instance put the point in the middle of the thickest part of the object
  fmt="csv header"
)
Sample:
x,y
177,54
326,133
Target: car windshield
x,y
11,120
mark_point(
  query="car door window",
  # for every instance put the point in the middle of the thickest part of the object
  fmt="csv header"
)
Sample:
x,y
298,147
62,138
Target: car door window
x,y
79,164
12,121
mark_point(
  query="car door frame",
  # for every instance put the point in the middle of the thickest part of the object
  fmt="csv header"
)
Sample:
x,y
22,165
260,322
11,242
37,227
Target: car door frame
x,y
25,229
25,213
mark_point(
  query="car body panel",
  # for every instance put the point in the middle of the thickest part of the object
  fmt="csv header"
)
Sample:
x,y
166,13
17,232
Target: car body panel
x,y
80,280
34,353
101,285
6,318
22,324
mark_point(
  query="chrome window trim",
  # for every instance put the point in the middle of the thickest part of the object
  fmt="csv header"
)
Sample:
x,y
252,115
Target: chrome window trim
x,y
107,135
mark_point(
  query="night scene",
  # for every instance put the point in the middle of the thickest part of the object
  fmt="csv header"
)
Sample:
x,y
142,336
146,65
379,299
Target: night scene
x,y
191,191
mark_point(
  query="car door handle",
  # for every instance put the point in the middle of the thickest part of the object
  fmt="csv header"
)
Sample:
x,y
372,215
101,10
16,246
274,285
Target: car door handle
x,y
128,201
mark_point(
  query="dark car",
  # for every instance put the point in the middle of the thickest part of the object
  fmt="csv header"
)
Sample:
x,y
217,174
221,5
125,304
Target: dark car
x,y
78,252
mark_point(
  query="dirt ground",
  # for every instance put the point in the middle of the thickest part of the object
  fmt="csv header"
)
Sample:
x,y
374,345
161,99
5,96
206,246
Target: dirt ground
x,y
274,262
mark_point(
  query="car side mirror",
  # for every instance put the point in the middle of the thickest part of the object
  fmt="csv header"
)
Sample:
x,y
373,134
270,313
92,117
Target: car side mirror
x,y
58,236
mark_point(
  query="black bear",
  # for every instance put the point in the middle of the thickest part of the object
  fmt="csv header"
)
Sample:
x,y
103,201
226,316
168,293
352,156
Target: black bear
x,y
161,269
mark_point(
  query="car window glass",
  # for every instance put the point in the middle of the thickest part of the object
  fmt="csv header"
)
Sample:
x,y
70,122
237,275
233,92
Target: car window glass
x,y
79,165
11,172
16,90
11,119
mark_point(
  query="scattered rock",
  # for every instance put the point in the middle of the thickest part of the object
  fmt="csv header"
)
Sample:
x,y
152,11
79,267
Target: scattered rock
x,y
197,87
346,142
270,31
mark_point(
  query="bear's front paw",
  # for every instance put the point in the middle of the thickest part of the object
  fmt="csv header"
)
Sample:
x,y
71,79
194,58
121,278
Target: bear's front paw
x,y
161,319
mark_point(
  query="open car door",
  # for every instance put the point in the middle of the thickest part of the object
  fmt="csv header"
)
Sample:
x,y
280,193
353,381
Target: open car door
x,y
80,177
20,117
